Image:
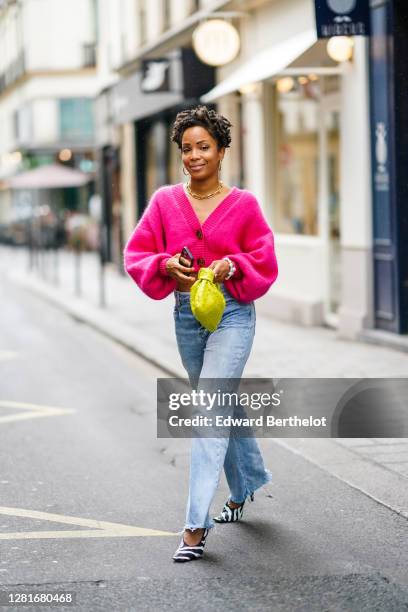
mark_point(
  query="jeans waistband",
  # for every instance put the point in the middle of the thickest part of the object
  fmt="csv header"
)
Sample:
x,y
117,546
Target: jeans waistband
x,y
184,296
181,297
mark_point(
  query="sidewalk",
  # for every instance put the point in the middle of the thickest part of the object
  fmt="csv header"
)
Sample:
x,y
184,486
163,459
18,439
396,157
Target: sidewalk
x,y
377,467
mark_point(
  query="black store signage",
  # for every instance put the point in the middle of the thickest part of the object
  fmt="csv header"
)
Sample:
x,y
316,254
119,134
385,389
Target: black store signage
x,y
389,135
155,75
342,18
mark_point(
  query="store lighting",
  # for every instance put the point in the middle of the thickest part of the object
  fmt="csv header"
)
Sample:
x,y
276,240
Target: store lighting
x,y
65,155
16,157
250,88
340,48
285,84
216,42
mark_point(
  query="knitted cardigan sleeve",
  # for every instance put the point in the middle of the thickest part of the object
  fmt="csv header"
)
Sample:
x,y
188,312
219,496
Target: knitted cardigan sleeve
x,y
257,266
145,255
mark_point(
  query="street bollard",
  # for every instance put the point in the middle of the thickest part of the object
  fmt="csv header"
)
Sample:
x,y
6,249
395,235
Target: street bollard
x,y
77,267
102,294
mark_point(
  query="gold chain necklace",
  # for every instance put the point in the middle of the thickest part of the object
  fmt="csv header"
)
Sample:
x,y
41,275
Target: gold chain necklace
x,y
204,197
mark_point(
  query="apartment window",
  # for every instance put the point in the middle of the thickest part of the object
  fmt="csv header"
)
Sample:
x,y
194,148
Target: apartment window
x,y
297,160
89,55
16,126
195,5
76,119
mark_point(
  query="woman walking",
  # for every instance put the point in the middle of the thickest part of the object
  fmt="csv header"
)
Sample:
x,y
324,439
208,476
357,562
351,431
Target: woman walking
x,y
224,229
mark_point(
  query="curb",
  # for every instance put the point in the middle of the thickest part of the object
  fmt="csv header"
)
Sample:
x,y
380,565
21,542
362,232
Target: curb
x,y
380,484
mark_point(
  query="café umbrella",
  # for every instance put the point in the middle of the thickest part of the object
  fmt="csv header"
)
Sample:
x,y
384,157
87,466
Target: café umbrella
x,y
52,176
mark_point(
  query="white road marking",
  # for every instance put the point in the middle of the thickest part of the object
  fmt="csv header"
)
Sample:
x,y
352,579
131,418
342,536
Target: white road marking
x,y
31,411
101,529
8,355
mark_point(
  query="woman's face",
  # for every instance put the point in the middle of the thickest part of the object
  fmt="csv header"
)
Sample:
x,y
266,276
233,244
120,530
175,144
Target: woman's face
x,y
200,154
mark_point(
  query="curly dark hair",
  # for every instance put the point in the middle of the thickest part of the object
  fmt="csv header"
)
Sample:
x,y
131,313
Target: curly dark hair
x,y
217,125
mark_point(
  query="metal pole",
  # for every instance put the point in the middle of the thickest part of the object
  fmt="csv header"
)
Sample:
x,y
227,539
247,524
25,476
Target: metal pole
x,y
77,258
56,268
102,293
102,261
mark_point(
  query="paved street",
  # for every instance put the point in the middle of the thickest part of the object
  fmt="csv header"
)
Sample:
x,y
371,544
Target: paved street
x,y
281,350
309,542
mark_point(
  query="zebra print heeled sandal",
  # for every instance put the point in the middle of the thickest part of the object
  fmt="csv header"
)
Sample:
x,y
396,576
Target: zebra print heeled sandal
x,y
231,515
190,553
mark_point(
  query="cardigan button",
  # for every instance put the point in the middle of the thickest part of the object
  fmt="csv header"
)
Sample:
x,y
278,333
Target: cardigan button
x,y
199,234
200,261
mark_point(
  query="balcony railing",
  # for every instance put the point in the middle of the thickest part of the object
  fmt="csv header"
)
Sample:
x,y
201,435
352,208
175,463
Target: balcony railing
x,y
13,72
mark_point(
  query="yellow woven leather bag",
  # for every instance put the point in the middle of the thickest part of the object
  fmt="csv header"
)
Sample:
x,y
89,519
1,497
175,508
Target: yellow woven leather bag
x,y
207,300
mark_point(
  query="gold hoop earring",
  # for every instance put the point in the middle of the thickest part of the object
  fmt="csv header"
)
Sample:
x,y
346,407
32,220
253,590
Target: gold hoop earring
x,y
219,168
185,173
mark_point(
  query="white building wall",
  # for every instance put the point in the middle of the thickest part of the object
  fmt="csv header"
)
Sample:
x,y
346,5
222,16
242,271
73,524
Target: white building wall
x,y
154,19
179,11
129,27
45,121
55,32
108,41
112,30
8,142
357,308
10,39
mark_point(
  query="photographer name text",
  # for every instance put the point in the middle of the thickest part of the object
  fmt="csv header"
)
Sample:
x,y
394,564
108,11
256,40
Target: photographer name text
x,y
259,421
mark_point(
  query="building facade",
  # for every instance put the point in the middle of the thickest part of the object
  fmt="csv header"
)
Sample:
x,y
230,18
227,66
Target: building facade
x,y
311,138
306,152
49,79
301,143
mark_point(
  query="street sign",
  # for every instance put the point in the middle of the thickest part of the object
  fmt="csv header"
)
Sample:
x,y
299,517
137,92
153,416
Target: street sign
x,y
342,18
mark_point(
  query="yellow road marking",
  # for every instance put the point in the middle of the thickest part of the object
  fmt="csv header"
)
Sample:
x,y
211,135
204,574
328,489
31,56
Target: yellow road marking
x,y
102,529
32,411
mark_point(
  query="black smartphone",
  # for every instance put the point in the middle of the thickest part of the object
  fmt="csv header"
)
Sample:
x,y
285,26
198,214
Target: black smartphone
x,y
187,254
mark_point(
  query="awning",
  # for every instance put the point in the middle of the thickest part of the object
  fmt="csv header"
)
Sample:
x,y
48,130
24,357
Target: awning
x,y
264,65
53,176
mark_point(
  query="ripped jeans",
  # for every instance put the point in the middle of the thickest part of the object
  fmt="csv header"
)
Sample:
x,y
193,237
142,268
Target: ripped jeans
x,y
220,354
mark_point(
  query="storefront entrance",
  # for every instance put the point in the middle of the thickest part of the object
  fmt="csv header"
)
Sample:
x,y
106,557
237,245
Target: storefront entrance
x,y
306,210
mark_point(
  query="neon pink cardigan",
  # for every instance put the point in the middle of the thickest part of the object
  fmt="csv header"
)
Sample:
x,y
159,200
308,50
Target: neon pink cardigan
x,y
236,229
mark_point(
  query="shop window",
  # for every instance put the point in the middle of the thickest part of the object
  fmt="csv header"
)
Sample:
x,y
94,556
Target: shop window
x,y
297,155
76,118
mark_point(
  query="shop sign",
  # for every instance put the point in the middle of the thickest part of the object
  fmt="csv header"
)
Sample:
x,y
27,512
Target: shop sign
x,y
155,75
161,83
342,18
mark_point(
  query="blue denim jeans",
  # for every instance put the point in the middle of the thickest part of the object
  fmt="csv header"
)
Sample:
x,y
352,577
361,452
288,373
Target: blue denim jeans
x,y
220,354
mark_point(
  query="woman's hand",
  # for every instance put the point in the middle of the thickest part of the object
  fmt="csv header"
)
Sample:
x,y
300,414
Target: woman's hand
x,y
180,270
221,270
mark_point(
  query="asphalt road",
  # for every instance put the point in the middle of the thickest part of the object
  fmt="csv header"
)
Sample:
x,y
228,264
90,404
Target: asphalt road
x,y
309,543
